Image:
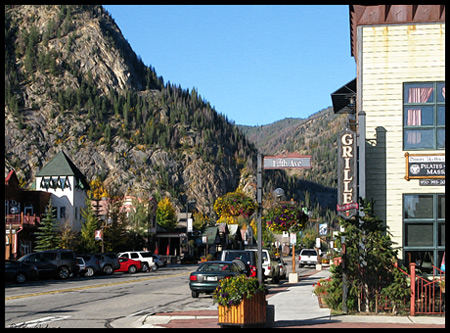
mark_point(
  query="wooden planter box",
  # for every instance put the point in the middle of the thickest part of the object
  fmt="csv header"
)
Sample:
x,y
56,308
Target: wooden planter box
x,y
322,303
250,312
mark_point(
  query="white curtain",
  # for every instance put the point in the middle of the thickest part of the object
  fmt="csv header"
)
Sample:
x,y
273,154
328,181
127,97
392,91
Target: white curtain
x,y
414,116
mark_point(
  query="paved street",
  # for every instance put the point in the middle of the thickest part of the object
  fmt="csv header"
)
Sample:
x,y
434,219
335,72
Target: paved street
x,y
95,302
98,301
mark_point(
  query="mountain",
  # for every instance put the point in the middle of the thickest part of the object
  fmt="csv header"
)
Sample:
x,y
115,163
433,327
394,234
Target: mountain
x,y
315,136
73,83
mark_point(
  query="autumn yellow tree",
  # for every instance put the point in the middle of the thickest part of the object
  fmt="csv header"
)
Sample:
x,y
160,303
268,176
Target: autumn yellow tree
x,y
97,189
166,215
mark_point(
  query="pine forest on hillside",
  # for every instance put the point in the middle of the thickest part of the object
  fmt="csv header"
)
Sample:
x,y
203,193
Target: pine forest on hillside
x,y
73,82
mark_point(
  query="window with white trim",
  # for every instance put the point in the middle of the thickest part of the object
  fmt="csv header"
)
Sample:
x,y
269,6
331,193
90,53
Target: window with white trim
x,y
424,116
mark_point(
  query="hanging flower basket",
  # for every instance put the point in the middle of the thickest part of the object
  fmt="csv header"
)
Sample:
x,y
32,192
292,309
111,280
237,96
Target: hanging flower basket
x,y
286,218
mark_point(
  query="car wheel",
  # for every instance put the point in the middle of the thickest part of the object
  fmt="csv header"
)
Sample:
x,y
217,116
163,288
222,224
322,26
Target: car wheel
x,y
21,278
132,269
63,273
108,270
144,267
89,272
194,294
276,279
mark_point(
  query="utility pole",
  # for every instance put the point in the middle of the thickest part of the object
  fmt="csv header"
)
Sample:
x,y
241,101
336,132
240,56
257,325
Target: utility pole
x,y
344,276
258,217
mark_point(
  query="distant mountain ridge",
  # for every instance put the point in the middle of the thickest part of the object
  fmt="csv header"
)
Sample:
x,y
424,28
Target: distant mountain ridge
x,y
315,136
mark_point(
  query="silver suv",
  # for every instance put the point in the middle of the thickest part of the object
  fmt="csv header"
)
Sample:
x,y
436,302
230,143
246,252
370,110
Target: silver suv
x,y
146,258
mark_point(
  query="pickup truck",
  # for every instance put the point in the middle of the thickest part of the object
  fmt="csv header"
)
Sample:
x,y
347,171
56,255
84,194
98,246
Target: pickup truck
x,y
307,257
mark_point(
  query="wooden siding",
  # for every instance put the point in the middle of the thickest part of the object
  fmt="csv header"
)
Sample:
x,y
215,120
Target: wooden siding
x,y
389,56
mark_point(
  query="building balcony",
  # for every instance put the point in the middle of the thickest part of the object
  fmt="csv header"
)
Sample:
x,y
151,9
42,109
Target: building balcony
x,y
21,220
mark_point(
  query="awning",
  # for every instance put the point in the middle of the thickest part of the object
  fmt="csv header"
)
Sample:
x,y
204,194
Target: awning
x,y
212,235
341,98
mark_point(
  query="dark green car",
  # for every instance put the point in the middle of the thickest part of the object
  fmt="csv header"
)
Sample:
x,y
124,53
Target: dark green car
x,y
206,278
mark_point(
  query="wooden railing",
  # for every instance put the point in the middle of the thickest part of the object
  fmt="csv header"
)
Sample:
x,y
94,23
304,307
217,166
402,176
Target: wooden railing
x,y
427,296
16,220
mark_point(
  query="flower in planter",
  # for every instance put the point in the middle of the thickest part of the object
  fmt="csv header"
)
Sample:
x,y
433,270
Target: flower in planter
x,y
320,289
231,291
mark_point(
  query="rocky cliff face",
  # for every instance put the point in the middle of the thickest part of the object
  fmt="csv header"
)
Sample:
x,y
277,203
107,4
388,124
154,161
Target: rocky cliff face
x,y
73,82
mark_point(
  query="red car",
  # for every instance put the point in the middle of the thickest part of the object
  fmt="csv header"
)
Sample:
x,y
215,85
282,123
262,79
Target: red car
x,y
129,265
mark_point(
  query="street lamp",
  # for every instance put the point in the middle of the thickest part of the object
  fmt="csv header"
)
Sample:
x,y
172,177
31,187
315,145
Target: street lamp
x,y
187,215
278,194
14,210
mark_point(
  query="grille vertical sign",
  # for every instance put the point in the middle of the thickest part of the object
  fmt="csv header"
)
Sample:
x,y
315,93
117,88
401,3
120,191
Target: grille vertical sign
x,y
347,203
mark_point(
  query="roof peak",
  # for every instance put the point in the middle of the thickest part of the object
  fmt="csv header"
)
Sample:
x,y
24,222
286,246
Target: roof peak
x,y
62,165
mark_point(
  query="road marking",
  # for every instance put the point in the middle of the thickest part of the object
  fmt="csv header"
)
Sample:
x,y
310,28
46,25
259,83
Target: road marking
x,y
94,286
37,322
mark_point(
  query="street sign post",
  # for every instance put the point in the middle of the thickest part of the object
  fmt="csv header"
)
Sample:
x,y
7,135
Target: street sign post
x,y
286,161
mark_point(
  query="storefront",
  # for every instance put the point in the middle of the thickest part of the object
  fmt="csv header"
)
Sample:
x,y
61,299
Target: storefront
x,y
398,105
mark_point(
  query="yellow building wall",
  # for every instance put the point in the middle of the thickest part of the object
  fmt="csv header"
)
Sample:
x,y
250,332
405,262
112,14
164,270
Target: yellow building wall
x,y
389,56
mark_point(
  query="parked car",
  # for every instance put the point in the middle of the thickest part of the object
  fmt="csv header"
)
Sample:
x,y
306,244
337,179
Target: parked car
x,y
159,262
270,265
19,272
129,265
109,262
89,265
283,267
248,257
145,257
307,257
206,278
58,263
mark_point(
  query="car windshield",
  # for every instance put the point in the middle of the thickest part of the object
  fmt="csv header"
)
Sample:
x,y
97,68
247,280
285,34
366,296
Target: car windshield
x,y
219,266
243,256
309,253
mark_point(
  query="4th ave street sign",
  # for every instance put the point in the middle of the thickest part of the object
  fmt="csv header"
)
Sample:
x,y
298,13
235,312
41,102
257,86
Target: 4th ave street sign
x,y
288,161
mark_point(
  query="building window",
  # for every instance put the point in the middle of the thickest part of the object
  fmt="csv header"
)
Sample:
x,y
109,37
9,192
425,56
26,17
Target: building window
x,y
62,212
424,230
424,116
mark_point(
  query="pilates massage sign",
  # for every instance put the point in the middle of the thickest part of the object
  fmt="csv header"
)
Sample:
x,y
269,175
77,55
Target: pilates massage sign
x,y
347,205
425,166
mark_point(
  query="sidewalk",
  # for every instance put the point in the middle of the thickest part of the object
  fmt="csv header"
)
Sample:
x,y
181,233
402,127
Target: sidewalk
x,y
295,306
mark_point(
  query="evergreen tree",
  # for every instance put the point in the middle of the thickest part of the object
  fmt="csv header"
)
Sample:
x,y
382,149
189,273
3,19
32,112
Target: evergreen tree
x,y
370,260
88,227
47,234
116,235
139,220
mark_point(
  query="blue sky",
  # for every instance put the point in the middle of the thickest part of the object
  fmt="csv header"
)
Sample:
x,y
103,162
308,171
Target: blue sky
x,y
255,64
